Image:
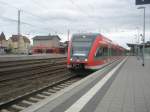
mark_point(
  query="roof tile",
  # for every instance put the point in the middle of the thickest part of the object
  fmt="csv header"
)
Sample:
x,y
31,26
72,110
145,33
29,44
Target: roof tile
x,y
49,37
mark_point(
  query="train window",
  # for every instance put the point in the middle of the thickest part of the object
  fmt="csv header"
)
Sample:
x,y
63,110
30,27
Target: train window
x,y
113,52
81,44
99,52
83,38
105,52
80,50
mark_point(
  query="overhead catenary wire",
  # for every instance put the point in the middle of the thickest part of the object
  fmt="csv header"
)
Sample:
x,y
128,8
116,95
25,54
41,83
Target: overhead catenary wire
x,y
78,7
91,17
22,22
27,12
44,7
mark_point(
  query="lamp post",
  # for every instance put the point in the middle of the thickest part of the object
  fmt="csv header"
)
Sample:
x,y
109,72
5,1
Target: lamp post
x,y
143,32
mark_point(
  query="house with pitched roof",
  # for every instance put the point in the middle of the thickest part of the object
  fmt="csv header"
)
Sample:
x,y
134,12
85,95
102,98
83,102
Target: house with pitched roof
x,y
19,44
45,44
3,43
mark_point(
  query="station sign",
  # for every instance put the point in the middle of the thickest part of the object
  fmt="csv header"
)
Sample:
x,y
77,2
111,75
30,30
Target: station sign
x,y
142,2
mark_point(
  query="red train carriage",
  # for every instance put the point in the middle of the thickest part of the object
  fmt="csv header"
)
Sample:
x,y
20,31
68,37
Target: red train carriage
x,y
91,51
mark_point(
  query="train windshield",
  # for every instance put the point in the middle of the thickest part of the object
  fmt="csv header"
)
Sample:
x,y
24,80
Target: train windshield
x,y
81,45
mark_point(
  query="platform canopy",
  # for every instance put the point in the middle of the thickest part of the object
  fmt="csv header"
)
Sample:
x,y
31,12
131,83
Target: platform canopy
x,y
147,45
142,2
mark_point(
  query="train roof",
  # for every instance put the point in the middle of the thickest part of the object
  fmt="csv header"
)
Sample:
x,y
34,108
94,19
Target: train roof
x,y
87,34
94,35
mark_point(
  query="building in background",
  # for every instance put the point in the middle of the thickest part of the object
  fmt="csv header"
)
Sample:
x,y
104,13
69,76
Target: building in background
x,y
3,43
19,44
137,49
46,44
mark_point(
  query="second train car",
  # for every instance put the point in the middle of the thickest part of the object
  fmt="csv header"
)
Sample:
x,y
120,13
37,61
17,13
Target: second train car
x,y
92,51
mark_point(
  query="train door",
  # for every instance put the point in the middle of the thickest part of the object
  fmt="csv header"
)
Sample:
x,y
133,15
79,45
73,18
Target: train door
x,y
102,53
109,52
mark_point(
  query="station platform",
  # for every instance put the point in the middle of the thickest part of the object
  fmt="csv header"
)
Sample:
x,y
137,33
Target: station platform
x,y
126,88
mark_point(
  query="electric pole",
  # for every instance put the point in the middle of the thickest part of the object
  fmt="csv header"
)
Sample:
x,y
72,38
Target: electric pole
x,y
19,23
68,34
19,34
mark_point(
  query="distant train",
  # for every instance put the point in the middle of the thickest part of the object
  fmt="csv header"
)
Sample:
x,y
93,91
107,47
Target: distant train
x,y
92,51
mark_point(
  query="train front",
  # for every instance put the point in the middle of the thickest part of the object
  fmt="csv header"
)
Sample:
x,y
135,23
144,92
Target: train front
x,y
78,51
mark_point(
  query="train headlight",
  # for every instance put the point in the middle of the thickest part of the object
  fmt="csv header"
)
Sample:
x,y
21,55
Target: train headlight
x,y
70,59
86,59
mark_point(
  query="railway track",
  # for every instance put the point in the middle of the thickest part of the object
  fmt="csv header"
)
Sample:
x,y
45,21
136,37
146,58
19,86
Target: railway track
x,y
14,72
14,76
26,84
32,76
22,102
19,66
4,64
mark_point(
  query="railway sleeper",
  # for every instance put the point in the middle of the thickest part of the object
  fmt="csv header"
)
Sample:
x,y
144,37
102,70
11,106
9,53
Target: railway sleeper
x,y
32,100
52,91
41,95
61,86
56,88
18,107
65,85
46,93
35,99
5,110
28,102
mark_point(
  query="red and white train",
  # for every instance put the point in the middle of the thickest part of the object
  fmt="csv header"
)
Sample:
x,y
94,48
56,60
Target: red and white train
x,y
92,51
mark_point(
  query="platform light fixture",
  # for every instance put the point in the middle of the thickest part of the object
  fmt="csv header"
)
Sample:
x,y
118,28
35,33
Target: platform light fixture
x,y
143,31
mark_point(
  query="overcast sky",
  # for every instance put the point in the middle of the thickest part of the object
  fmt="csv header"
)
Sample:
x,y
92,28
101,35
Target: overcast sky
x,y
116,19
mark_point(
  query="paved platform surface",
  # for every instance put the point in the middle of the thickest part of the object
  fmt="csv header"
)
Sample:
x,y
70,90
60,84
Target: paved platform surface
x,y
26,57
128,90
